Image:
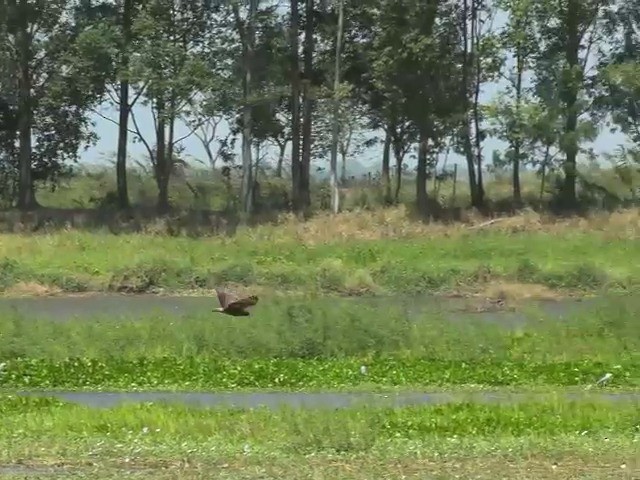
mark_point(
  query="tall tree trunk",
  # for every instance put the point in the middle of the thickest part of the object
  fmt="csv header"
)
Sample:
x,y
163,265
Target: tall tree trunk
x,y
475,29
399,157
124,108
467,145
517,193
170,164
281,151
295,105
161,164
246,190
255,185
307,108
516,143
335,130
478,146
569,95
26,196
386,154
421,175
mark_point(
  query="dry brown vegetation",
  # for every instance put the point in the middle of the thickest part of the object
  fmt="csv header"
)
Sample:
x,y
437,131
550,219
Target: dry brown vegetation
x,y
358,224
399,222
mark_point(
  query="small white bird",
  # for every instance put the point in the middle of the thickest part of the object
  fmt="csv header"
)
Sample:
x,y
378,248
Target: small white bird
x,y
604,379
363,370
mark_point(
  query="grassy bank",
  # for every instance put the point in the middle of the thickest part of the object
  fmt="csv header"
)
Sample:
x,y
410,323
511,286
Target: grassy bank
x,y
357,253
449,439
322,344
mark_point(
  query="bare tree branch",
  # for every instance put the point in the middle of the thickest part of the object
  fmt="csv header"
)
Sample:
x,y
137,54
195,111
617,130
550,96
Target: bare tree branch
x,y
115,122
139,94
113,96
191,132
138,133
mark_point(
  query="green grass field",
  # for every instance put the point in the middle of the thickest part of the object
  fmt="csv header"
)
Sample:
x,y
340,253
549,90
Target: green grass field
x,y
472,441
318,342
424,260
319,345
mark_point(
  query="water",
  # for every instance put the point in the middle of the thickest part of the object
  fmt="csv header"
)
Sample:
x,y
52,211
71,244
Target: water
x,y
331,400
62,308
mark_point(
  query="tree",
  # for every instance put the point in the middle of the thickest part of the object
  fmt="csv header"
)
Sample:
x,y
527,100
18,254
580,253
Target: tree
x,y
247,32
269,101
296,165
567,30
509,112
124,106
308,84
619,72
335,127
403,135
419,49
349,124
169,70
117,18
480,64
58,74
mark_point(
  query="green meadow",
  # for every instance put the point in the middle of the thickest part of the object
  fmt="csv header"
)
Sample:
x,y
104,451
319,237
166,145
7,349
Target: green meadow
x,y
559,260
573,440
359,301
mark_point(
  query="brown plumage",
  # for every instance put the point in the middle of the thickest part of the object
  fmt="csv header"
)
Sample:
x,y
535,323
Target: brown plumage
x,y
232,305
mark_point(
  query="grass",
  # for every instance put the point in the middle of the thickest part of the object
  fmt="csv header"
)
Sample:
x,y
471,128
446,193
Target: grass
x,y
206,374
315,343
358,253
311,342
603,466
321,345
358,442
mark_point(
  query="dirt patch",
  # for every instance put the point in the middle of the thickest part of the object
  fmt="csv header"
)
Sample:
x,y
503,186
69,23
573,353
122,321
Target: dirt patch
x,y
31,289
507,296
493,291
520,291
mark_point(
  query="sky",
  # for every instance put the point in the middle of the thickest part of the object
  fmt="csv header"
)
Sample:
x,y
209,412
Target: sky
x,y
107,131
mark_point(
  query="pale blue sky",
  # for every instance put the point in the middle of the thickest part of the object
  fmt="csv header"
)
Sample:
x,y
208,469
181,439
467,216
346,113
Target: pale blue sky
x,y
108,133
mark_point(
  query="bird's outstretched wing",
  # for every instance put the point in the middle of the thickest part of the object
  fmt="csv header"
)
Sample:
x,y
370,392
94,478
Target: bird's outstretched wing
x,y
225,298
243,303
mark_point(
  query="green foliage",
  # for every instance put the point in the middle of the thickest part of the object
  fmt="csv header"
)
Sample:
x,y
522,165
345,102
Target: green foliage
x,y
402,265
416,59
410,66
565,31
294,374
67,65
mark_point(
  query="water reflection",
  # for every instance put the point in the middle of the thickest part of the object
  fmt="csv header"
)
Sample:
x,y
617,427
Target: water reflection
x,y
330,400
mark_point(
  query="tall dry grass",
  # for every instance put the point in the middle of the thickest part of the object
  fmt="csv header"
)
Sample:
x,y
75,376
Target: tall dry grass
x,y
399,222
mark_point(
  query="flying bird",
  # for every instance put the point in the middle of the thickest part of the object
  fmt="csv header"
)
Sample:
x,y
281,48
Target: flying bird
x,y
234,306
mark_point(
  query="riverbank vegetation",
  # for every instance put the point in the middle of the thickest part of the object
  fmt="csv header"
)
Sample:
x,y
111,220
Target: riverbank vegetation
x,y
591,438
322,344
359,253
